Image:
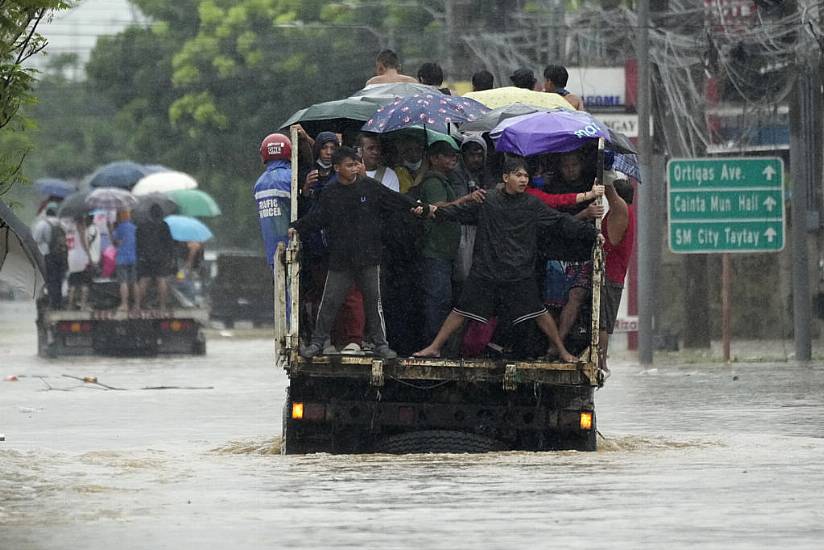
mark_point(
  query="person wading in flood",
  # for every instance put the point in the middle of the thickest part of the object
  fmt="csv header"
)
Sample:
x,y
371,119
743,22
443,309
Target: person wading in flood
x,y
501,278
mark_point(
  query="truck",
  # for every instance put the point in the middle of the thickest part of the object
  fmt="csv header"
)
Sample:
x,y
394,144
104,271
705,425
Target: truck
x,y
240,288
360,403
103,330
363,404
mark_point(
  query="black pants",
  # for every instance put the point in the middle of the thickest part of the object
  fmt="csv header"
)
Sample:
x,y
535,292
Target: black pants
x,y
55,272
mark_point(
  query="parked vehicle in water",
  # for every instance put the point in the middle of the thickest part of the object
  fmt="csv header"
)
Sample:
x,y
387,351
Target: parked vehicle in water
x,y
240,288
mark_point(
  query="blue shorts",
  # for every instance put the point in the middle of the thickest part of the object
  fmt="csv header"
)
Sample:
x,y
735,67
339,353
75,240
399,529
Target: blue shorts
x,y
127,274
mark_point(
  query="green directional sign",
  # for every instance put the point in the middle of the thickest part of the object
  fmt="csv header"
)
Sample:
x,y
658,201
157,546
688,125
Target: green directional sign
x,y
726,205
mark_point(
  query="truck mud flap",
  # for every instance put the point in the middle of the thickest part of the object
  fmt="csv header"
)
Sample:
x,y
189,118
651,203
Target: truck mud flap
x,y
439,441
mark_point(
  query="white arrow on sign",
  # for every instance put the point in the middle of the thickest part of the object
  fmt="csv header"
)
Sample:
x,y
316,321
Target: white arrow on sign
x,y
770,234
768,172
770,203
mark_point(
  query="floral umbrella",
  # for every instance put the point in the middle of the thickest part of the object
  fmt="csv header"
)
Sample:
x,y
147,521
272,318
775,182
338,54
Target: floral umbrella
x,y
432,111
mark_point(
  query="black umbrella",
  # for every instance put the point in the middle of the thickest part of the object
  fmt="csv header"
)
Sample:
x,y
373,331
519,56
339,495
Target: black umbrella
x,y
487,121
74,205
21,264
145,203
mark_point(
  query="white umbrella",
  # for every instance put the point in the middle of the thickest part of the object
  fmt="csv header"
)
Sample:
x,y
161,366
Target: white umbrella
x,y
162,182
21,264
110,197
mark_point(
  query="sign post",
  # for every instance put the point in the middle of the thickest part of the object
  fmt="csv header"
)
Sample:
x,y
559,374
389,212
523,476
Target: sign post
x,y
726,205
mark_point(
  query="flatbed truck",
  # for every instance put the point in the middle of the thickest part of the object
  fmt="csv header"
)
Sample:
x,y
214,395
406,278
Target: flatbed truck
x,y
106,331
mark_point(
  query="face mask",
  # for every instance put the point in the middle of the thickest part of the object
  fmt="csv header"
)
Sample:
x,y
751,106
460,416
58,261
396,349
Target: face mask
x,y
413,166
325,165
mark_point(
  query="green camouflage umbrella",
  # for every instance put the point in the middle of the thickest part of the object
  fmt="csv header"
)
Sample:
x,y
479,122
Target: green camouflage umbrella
x,y
194,202
335,116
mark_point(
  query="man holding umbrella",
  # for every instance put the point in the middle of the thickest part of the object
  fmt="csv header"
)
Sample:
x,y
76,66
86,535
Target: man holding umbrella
x,y
155,256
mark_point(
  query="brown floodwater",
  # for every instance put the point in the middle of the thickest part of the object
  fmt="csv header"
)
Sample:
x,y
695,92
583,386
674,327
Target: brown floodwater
x,y
709,455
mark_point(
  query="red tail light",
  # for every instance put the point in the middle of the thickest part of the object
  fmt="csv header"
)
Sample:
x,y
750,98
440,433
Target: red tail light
x,y
74,327
176,325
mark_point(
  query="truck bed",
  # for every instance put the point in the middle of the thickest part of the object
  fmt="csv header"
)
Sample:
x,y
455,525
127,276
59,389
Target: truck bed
x,y
468,370
111,332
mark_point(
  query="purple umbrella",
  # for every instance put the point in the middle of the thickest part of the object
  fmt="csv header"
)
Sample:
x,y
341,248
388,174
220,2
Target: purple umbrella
x,y
549,132
432,111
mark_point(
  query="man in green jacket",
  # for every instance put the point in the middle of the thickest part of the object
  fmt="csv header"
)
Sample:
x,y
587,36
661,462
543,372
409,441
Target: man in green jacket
x,y
440,239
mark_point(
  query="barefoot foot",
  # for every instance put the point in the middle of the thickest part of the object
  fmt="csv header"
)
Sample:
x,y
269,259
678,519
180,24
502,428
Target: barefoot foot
x,y
427,352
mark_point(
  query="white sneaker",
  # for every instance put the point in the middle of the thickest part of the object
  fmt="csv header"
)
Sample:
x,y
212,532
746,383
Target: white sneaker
x,y
351,348
329,349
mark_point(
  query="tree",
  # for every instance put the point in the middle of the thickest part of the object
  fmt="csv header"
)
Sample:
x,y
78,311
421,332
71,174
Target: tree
x,y
19,41
251,64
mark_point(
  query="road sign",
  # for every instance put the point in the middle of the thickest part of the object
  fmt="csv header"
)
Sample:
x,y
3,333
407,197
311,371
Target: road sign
x,y
726,205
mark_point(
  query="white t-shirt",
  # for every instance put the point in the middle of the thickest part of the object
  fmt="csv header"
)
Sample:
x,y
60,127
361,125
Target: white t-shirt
x,y
390,178
77,256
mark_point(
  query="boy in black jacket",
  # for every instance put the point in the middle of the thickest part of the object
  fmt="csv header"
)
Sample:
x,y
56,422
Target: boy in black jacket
x,y
501,278
350,210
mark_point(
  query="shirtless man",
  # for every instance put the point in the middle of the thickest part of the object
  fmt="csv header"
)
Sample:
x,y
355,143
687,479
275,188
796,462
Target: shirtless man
x,y
387,70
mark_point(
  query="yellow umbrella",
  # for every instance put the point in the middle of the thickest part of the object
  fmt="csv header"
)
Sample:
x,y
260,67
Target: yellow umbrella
x,y
501,97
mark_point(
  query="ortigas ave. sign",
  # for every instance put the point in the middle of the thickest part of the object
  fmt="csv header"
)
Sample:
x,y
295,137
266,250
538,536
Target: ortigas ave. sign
x,y
726,205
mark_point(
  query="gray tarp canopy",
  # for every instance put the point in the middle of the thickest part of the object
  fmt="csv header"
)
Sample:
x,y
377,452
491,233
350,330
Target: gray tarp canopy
x,y
21,264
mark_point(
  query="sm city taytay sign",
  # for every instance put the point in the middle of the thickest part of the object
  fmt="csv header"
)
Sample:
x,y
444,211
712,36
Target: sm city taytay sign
x,y
726,205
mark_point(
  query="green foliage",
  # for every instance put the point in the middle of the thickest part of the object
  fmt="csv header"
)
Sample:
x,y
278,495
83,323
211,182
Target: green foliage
x,y
251,64
19,40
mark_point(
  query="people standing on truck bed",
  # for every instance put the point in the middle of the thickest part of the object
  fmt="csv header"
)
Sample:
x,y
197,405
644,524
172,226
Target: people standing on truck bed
x,y
372,154
523,78
350,210
555,81
155,256
80,236
441,240
619,234
348,330
273,192
409,162
431,74
501,278
578,274
469,175
50,237
387,70
482,80
125,239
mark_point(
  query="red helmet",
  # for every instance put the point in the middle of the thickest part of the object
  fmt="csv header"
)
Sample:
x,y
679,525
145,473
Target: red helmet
x,y
275,147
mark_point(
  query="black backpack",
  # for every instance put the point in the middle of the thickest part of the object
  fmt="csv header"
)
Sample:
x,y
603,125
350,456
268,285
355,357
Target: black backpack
x,y
57,243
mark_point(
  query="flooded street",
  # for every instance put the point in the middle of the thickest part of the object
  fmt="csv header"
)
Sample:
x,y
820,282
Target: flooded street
x,y
728,457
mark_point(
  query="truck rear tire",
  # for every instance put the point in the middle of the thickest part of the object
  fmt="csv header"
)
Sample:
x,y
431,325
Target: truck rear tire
x,y
439,441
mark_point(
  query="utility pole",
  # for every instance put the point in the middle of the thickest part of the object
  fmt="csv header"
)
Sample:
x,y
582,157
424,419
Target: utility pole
x,y
805,141
449,42
646,207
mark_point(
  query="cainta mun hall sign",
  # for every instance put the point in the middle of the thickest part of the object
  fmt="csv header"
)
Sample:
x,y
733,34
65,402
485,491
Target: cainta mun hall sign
x,y
725,204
